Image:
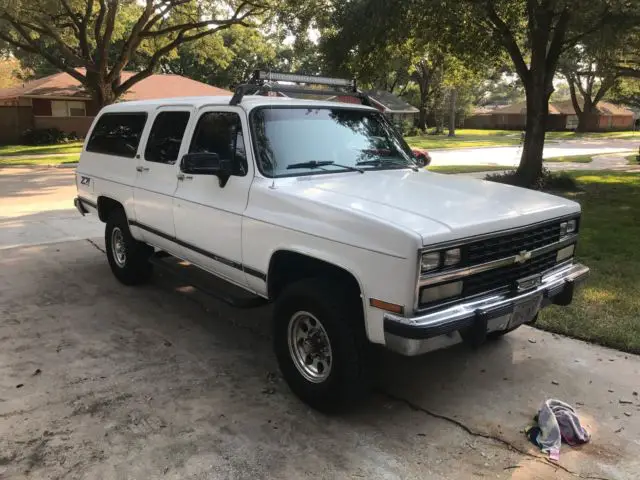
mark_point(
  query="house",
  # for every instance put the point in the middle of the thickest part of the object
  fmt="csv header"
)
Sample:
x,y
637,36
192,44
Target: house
x,y
60,101
562,116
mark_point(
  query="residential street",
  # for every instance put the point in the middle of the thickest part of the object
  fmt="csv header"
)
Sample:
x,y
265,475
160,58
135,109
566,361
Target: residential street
x,y
99,380
510,156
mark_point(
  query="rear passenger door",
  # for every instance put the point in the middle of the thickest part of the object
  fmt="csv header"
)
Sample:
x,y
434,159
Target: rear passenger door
x,y
208,217
157,177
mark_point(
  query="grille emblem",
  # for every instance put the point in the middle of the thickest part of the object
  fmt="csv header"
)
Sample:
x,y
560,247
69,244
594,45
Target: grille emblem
x,y
522,257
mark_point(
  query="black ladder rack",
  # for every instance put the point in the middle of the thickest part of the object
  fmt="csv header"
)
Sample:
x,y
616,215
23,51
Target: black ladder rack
x,y
261,82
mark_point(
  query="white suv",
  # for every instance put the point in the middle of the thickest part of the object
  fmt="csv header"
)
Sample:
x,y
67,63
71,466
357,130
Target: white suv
x,y
320,208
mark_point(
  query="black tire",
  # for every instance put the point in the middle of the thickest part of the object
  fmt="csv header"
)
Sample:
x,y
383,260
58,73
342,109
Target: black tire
x,y
135,269
340,315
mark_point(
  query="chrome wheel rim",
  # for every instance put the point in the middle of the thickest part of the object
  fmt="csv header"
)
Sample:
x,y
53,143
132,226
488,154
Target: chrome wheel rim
x,y
309,347
118,247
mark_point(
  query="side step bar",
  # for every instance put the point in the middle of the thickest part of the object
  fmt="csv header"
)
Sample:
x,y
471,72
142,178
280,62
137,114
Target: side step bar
x,y
205,282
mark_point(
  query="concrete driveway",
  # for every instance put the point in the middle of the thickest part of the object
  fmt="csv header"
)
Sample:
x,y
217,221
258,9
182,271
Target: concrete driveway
x,y
98,380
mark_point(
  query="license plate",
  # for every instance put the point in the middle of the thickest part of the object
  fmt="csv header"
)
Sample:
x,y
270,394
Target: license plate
x,y
525,311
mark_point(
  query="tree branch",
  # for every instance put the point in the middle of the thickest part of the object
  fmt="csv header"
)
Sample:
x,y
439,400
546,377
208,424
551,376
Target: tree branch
x,y
509,42
557,41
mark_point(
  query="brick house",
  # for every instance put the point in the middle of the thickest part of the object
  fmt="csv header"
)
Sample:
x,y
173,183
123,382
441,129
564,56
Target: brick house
x,y
562,116
60,101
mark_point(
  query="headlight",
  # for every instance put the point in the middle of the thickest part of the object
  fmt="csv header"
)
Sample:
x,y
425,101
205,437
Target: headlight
x,y
430,261
452,257
447,290
568,227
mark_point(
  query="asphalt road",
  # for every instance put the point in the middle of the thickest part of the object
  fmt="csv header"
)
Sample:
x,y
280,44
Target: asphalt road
x,y
98,380
510,156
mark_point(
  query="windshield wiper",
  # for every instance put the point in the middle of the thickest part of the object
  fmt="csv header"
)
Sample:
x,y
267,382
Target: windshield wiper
x,y
324,163
394,161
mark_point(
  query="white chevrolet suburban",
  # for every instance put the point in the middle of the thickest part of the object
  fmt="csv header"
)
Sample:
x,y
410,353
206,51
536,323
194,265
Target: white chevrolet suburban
x,y
321,208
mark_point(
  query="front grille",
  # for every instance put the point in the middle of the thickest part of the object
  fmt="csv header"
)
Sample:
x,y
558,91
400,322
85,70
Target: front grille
x,y
509,244
507,276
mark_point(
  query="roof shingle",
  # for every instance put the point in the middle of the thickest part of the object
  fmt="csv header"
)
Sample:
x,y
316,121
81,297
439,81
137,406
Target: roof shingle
x,y
156,86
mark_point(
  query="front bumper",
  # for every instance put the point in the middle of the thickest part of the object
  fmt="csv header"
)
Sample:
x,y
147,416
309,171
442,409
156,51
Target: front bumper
x,y
475,318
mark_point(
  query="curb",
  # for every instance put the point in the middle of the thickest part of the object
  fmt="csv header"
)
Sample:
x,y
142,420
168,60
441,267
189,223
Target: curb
x,y
43,165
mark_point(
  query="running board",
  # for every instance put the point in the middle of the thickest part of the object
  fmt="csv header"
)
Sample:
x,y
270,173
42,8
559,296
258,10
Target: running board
x,y
205,282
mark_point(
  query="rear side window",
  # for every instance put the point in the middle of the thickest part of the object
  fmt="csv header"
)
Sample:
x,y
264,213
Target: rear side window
x,y
163,145
221,133
117,134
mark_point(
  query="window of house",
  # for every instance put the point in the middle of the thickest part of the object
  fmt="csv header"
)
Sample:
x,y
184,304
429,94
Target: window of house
x,y
117,134
221,133
64,108
163,145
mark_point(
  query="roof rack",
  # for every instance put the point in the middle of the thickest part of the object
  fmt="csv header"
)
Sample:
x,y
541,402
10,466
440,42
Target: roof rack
x,y
261,82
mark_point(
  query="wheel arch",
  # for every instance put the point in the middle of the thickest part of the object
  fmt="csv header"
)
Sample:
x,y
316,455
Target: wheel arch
x,y
106,205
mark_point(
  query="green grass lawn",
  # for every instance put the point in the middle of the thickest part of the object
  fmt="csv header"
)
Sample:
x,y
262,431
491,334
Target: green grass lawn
x,y
470,138
466,168
607,308
570,158
27,160
466,138
10,150
624,135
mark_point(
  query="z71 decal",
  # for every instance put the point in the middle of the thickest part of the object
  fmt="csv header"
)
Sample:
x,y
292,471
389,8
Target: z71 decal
x,y
85,180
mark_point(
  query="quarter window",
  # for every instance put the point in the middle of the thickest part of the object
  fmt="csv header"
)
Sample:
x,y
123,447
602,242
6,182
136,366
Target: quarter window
x,y
221,133
163,145
117,134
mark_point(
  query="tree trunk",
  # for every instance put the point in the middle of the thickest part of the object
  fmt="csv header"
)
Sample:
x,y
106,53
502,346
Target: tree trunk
x,y
452,112
530,168
584,116
422,118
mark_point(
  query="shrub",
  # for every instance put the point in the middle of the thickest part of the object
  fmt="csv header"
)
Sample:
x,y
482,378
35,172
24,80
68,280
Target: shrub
x,y
548,181
44,136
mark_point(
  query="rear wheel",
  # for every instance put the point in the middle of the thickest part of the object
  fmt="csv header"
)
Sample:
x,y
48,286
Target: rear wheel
x,y
320,344
128,258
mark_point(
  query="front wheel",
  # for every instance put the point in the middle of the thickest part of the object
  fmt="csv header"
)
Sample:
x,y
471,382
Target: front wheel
x,y
128,258
320,344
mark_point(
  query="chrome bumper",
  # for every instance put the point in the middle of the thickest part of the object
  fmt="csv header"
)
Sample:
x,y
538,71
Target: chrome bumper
x,y
477,317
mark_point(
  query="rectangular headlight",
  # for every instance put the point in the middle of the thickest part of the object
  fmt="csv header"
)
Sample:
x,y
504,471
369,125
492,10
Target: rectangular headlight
x,y
447,290
571,226
452,257
429,261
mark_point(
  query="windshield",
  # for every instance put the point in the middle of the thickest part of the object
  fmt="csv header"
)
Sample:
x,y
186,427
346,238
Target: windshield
x,y
302,141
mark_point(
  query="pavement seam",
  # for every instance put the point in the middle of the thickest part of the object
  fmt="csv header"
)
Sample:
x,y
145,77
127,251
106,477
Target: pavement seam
x,y
96,245
470,431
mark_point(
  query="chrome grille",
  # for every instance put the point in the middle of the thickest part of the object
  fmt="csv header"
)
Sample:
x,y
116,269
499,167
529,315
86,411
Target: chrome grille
x,y
510,244
507,276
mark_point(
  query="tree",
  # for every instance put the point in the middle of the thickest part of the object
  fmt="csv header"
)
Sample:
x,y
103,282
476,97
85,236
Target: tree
x,y
94,41
533,34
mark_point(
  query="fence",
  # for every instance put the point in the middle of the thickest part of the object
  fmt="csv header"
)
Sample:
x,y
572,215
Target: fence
x,y
13,121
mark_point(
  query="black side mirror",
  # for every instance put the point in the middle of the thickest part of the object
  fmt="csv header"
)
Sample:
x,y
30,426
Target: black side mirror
x,y
419,160
207,164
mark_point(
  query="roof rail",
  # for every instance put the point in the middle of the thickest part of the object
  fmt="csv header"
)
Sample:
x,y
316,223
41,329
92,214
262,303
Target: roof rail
x,y
262,82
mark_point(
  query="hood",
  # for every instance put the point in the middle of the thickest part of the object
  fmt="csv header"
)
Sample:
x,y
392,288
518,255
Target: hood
x,y
437,207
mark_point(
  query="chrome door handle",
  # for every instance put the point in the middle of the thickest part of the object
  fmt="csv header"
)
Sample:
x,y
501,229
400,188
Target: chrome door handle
x,y
142,169
182,176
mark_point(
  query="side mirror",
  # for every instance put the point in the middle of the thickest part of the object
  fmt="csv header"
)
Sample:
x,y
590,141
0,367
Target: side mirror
x,y
207,164
419,160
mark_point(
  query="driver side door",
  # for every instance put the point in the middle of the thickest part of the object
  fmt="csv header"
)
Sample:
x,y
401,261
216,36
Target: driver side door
x,y
208,216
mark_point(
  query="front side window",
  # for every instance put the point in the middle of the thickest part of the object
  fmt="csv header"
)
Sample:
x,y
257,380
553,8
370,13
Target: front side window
x,y
163,145
302,141
221,133
117,134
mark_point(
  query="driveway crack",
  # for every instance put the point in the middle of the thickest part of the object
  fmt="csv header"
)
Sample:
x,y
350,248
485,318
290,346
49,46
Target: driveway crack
x,y
470,431
96,245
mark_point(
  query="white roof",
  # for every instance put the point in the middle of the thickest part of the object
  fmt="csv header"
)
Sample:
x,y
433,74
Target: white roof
x,y
248,102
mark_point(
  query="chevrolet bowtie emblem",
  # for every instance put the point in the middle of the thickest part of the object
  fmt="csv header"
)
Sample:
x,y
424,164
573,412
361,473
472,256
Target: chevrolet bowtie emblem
x,y
523,256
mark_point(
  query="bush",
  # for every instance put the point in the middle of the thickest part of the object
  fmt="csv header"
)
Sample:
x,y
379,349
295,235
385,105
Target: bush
x,y
46,136
548,181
